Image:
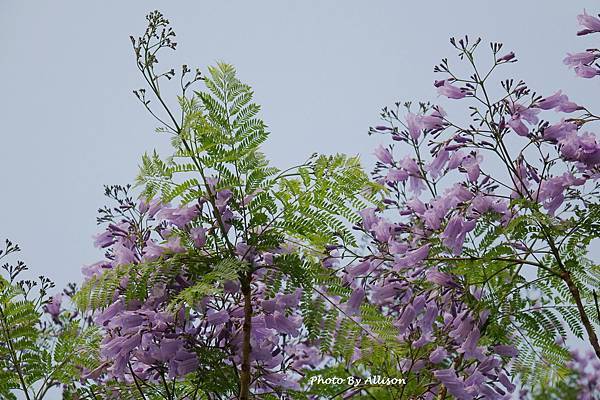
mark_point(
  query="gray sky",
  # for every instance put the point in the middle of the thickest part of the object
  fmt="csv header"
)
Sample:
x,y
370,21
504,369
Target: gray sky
x,y
321,70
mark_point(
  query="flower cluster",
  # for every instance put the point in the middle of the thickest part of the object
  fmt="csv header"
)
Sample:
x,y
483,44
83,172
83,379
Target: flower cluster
x,y
584,63
148,340
586,367
142,338
451,183
471,211
430,310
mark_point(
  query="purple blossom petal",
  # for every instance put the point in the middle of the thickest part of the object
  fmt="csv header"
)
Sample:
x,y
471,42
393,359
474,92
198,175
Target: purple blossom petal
x,y
384,155
450,91
591,23
198,236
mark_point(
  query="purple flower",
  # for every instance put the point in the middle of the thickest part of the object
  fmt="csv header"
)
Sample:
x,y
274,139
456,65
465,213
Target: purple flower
x,y
456,160
152,251
433,121
179,216
231,287
248,198
397,247
121,345
416,185
269,306
528,114
123,255
410,165
167,349
109,313
384,155
198,236
369,218
382,231
520,113
381,294
551,102
559,102
438,355
551,190
434,215
455,385
407,317
355,300
104,239
518,126
471,166
155,206
283,324
96,269
412,258
126,321
414,125
415,181
289,300
438,163
95,373
481,204
174,245
218,318
454,235
152,207
591,23
558,131
53,306
583,58
583,148
506,350
469,347
183,364
111,347
396,175
441,278
506,58
503,379
416,206
450,91
305,356
281,381
419,302
431,313
227,217
569,107
222,199
585,71
362,269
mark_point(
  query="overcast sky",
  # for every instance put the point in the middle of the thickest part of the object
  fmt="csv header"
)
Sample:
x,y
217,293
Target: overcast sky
x,y
321,70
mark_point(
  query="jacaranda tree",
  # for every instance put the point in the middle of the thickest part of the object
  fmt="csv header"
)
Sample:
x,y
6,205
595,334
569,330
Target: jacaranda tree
x,y
461,270
211,297
42,345
480,254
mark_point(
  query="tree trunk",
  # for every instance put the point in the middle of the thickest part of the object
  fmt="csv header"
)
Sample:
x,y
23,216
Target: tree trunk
x,y
246,348
589,328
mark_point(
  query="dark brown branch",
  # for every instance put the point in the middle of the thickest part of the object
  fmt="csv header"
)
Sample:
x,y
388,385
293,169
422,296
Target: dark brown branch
x,y
574,290
245,375
565,275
